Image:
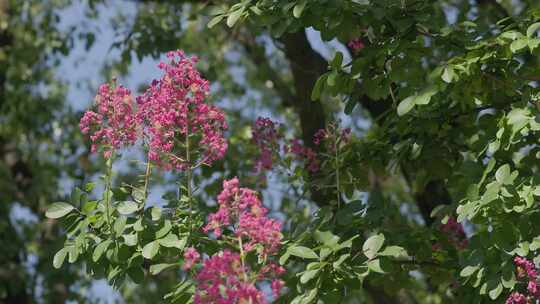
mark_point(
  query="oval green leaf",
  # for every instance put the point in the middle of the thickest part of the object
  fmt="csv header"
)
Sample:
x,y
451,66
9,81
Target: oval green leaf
x,y
58,210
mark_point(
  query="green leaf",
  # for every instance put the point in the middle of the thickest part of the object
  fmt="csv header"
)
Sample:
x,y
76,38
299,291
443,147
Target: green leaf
x,y
533,43
234,16
73,254
349,107
309,296
331,80
337,61
138,194
502,175
58,210
394,251
119,225
375,265
519,44
171,240
130,239
532,29
508,278
512,35
155,213
157,268
89,206
127,207
138,226
217,19
284,258
59,257
448,75
308,275
100,248
150,250
468,271
425,96
302,252
340,261
496,292
89,187
535,244
317,88
405,106
167,226
326,238
299,8
372,245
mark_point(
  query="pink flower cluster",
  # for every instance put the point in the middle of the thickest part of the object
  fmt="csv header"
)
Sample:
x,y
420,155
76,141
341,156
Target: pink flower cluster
x,y
241,209
516,298
356,45
266,136
171,113
173,108
191,257
114,124
225,271
224,277
333,135
320,136
525,270
455,233
302,153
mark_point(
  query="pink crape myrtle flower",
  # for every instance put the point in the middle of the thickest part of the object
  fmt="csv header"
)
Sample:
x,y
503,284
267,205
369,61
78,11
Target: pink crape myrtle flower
x,y
320,136
265,135
525,268
333,137
356,45
455,234
114,123
302,153
174,108
242,206
525,271
191,256
223,279
516,298
277,286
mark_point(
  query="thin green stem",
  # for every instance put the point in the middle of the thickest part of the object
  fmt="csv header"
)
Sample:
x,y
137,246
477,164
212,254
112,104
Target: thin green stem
x,y
242,257
108,186
337,172
146,183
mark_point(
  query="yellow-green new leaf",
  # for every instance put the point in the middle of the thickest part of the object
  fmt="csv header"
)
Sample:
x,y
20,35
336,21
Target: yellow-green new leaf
x,y
58,210
157,268
372,245
150,250
405,106
302,252
59,257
